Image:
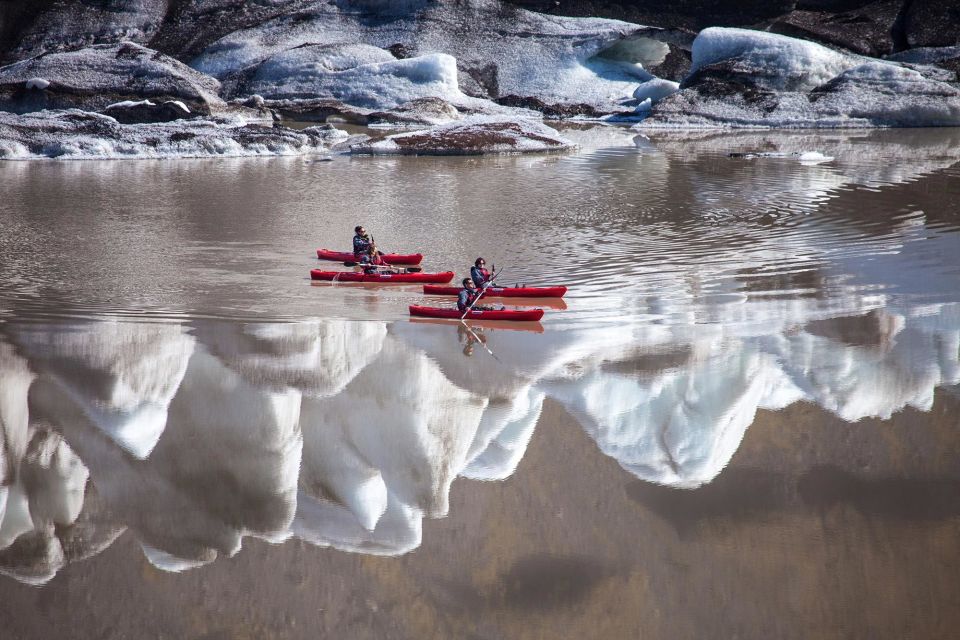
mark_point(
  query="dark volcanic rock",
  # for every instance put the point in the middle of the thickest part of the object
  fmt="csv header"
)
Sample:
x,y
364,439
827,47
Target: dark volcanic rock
x,y
95,77
63,26
192,25
690,14
549,110
181,28
867,29
932,23
675,66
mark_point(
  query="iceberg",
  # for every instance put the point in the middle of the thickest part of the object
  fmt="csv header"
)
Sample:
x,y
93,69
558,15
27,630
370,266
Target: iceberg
x,y
475,135
743,78
500,50
82,135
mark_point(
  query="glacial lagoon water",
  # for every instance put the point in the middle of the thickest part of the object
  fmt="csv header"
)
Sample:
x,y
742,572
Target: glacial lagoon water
x,y
743,421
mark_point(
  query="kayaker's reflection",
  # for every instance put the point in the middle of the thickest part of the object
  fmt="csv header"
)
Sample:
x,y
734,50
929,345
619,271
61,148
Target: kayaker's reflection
x,y
470,337
468,297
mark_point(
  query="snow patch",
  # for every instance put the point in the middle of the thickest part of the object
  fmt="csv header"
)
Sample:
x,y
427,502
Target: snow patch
x,y
129,104
37,83
655,90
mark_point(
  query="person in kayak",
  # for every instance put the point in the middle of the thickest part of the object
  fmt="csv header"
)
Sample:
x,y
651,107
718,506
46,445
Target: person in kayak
x,y
467,295
361,241
479,274
372,261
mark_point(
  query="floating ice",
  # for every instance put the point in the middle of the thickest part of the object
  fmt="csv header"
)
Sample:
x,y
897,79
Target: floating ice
x,y
472,136
81,135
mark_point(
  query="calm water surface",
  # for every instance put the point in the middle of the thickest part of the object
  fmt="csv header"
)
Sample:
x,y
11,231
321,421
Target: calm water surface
x,y
743,421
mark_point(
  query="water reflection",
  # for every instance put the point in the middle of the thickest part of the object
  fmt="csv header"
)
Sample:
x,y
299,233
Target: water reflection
x,y
348,434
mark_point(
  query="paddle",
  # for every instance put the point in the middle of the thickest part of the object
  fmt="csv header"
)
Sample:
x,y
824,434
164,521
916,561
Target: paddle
x,y
482,343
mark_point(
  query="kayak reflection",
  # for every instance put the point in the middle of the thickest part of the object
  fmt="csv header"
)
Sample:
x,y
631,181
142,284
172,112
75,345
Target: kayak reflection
x,y
347,434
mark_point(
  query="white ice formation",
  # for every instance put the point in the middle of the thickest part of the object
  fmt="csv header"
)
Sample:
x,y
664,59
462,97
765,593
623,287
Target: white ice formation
x,y
78,135
500,50
743,78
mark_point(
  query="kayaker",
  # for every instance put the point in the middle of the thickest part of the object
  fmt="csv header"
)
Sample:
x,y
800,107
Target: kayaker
x,y
372,261
479,273
361,241
467,295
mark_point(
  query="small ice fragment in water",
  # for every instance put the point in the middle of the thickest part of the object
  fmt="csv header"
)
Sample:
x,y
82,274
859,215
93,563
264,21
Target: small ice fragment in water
x,y
814,157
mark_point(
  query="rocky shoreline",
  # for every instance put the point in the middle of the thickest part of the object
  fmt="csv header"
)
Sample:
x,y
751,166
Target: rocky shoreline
x,y
200,64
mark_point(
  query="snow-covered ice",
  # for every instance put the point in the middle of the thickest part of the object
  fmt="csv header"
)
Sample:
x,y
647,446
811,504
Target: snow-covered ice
x,y
743,78
474,135
500,50
82,135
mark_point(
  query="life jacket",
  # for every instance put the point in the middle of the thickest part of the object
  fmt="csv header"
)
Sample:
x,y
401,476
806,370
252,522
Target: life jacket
x,y
479,276
360,244
466,298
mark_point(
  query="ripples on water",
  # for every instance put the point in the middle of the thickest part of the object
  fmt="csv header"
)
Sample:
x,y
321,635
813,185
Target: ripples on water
x,y
168,369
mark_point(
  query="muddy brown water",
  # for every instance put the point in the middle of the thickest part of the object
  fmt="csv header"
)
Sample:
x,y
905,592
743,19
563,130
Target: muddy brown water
x,y
744,421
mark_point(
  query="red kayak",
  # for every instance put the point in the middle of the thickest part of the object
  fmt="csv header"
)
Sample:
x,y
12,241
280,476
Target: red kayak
x,y
502,292
398,278
526,315
389,258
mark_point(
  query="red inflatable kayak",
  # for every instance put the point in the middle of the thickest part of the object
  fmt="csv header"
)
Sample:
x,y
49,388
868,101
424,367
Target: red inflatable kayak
x,y
389,258
502,292
398,278
525,315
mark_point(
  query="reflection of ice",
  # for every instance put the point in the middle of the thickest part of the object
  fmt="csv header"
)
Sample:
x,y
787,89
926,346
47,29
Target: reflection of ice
x,y
502,436
123,375
349,441
316,357
407,420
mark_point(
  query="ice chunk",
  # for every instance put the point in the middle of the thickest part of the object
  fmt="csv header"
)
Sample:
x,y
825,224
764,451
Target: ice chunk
x,y
774,61
743,78
504,52
655,89
471,136
80,135
378,85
